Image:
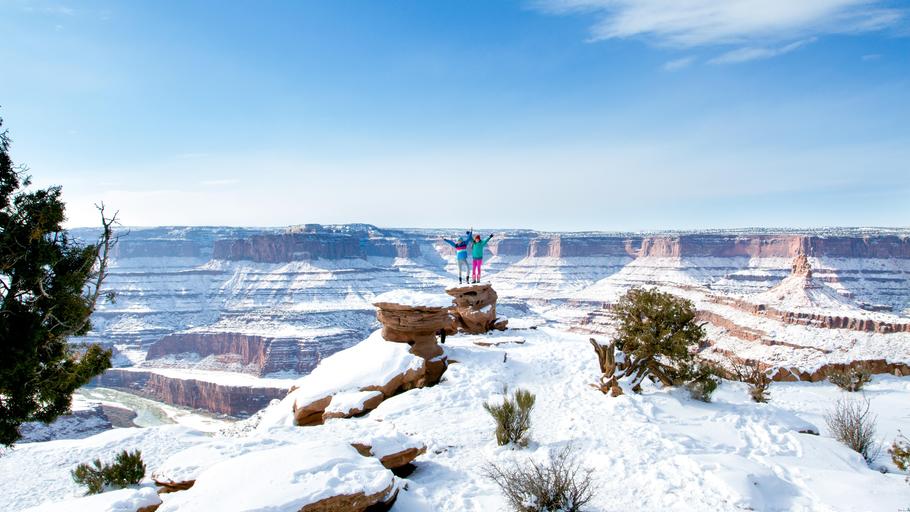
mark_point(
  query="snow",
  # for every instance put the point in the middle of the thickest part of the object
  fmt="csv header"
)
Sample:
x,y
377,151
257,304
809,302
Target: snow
x,y
414,298
372,362
121,500
35,473
345,402
284,478
659,450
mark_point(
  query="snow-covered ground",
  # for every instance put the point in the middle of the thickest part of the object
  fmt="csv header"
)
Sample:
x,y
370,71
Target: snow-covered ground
x,y
660,450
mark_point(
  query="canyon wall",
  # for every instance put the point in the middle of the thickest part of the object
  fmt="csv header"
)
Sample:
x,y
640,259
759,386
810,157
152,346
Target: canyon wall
x,y
232,400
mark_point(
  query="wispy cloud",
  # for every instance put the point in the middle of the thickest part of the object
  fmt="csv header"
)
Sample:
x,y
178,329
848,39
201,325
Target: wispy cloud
x,y
871,56
219,183
677,64
690,23
748,53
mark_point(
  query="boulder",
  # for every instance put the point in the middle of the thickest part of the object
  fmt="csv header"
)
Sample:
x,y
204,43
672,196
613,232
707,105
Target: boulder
x,y
475,308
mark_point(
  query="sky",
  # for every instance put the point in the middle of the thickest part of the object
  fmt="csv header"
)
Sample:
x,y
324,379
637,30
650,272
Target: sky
x,y
562,115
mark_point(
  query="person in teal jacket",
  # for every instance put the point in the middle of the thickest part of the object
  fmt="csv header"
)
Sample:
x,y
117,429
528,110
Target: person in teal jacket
x,y
477,256
461,253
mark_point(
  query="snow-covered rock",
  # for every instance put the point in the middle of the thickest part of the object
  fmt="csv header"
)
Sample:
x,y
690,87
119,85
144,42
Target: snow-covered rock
x,y
301,477
352,375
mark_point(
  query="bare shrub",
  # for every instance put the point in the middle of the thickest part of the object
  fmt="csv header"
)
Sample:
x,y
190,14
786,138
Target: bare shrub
x,y
560,484
852,423
852,378
512,417
758,380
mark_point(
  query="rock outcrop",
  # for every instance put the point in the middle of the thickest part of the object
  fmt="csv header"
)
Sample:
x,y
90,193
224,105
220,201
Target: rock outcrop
x,y
416,319
475,309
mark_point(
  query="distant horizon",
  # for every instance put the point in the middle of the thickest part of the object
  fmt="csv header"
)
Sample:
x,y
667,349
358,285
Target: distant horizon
x,y
562,114
748,229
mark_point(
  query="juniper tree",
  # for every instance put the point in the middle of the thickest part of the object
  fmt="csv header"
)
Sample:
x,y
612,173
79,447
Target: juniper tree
x,y
655,331
49,286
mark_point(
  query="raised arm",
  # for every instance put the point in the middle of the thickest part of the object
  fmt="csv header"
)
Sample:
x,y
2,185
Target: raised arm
x,y
446,240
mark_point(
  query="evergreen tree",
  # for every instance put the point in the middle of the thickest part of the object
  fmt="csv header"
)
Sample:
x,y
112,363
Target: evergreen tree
x,y
49,286
655,332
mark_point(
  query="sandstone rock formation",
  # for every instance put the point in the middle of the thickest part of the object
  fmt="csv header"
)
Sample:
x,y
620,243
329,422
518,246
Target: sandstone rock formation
x,y
415,318
352,382
475,308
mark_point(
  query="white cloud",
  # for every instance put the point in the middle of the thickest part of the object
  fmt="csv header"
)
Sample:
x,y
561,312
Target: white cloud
x,y
690,23
871,56
748,53
677,64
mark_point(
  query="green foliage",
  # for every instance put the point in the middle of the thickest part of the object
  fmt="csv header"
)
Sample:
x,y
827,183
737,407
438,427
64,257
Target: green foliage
x,y
703,383
561,484
513,418
657,332
91,476
49,285
127,469
852,378
900,453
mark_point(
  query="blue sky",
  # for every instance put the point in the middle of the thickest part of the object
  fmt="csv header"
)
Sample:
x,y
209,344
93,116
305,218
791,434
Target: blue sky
x,y
551,114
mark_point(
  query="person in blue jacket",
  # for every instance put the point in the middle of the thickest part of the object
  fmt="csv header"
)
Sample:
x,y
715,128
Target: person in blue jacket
x,y
461,253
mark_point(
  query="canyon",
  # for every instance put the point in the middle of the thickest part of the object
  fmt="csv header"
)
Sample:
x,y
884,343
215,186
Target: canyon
x,y
269,304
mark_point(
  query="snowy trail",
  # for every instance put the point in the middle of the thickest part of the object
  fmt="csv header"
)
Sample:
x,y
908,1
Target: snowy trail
x,y
657,451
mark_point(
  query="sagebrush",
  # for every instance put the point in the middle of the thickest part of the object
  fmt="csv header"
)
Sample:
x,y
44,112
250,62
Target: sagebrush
x,y
559,484
852,423
127,469
512,417
851,379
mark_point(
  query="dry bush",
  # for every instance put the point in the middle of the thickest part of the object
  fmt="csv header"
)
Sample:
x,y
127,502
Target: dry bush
x,y
852,423
560,484
512,417
758,380
851,378
900,453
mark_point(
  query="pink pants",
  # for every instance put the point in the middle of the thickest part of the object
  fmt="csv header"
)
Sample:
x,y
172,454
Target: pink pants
x,y
475,268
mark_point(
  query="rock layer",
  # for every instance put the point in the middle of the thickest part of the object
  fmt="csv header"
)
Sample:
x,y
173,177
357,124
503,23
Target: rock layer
x,y
232,400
